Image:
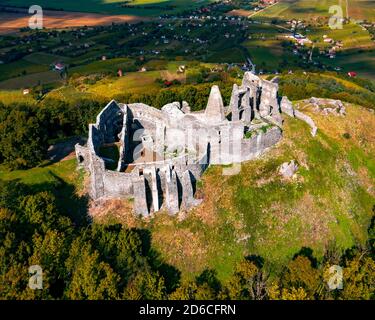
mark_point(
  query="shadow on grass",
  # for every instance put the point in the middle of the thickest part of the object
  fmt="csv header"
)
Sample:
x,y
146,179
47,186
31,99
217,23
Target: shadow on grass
x,y
67,200
171,275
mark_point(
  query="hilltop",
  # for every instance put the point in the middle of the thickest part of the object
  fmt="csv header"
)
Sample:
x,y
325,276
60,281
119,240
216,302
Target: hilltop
x,y
257,212
271,231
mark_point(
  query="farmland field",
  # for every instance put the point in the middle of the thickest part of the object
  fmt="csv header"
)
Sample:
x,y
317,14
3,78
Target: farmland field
x,y
34,79
361,62
310,9
351,35
268,54
136,8
11,22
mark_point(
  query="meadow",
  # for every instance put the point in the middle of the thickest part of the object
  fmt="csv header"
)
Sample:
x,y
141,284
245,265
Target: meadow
x,y
363,63
313,9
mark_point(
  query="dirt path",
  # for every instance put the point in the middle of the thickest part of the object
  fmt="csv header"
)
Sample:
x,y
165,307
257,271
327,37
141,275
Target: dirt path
x,y
64,150
12,21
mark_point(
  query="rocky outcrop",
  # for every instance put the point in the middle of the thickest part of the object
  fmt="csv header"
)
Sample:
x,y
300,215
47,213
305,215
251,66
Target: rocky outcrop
x,y
288,169
327,106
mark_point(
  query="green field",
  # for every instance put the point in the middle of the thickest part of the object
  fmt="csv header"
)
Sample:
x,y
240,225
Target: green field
x,y
269,54
351,36
138,7
20,68
9,96
361,62
31,80
311,9
64,170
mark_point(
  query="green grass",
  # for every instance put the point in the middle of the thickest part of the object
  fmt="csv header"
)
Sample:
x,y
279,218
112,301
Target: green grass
x,y
70,93
358,158
351,35
301,9
268,54
310,9
277,213
20,68
9,96
361,62
137,82
42,175
31,80
111,66
233,55
43,58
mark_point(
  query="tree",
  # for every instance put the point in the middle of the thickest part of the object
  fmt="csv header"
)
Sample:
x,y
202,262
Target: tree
x,y
301,274
90,278
40,210
121,248
23,140
146,285
165,96
275,292
248,282
358,278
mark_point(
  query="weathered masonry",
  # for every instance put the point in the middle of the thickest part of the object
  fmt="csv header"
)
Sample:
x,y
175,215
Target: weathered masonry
x,y
156,156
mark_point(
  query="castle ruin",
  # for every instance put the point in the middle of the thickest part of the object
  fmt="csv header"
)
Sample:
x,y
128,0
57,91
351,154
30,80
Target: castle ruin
x,y
156,156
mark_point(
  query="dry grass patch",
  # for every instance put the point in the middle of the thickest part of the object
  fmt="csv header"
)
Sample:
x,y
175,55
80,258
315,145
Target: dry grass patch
x,y
182,248
114,210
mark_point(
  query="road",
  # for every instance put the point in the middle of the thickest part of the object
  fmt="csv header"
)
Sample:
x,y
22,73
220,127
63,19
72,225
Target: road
x,y
255,13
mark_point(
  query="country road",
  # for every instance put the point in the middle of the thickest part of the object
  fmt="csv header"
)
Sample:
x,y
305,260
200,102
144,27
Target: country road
x,y
255,13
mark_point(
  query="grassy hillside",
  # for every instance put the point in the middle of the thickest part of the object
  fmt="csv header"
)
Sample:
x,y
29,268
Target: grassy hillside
x,y
258,213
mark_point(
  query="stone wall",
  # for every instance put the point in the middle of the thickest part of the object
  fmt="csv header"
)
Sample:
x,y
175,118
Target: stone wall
x,y
301,116
118,184
287,108
109,122
258,144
